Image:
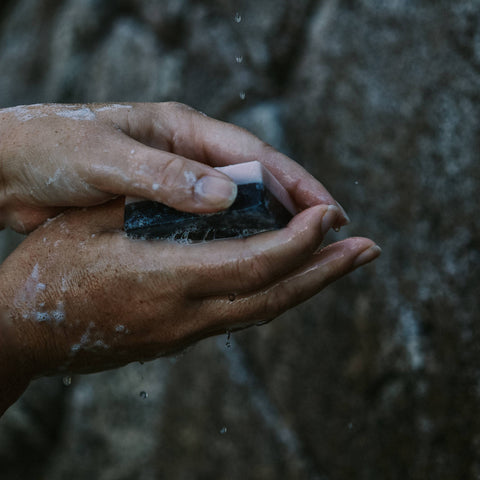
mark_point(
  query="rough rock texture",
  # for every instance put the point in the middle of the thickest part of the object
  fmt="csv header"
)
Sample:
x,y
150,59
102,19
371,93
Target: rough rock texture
x,y
379,375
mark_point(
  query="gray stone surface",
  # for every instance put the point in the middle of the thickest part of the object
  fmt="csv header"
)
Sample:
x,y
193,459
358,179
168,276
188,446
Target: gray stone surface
x,y
379,375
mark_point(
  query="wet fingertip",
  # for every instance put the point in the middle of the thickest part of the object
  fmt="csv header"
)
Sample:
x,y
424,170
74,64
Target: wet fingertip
x,y
330,218
345,219
371,253
215,191
323,217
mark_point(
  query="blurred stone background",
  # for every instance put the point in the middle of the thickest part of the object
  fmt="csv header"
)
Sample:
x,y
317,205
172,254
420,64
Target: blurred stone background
x,y
378,377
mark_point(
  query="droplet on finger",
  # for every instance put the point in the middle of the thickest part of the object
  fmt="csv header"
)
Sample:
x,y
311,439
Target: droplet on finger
x,y
330,218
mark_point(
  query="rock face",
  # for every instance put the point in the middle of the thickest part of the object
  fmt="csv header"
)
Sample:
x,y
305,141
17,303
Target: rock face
x,y
379,375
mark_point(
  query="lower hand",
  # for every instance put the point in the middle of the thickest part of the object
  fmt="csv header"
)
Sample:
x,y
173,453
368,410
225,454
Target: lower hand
x,y
79,296
57,156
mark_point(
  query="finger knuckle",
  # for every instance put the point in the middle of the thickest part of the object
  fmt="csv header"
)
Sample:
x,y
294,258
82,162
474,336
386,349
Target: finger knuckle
x,y
170,174
179,107
283,296
255,272
275,302
267,148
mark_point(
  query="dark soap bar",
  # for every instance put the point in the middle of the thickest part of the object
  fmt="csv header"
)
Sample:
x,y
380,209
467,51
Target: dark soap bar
x,y
262,204
255,210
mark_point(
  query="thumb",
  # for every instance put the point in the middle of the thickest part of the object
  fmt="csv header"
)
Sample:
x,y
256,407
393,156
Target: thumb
x,y
135,169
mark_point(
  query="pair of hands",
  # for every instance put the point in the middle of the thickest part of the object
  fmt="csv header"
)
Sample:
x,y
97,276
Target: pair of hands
x,y
79,296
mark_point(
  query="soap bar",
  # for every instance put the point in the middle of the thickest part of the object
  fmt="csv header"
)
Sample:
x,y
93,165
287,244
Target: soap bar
x,y
262,204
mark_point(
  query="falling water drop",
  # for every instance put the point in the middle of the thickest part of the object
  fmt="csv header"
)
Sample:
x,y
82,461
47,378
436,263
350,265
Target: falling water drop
x,y
242,95
143,395
67,380
239,58
336,229
223,430
228,344
356,182
238,17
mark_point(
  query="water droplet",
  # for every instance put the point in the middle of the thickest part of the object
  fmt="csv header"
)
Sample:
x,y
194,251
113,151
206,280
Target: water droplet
x,y
242,95
239,59
67,380
143,395
263,322
223,430
336,229
232,297
228,344
238,17
356,182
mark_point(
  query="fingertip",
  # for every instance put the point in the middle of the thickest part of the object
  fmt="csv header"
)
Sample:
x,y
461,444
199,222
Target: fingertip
x,y
344,219
217,192
366,256
330,218
323,217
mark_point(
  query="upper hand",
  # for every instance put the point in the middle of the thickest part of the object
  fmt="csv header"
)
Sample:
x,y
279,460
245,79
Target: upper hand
x,y
57,156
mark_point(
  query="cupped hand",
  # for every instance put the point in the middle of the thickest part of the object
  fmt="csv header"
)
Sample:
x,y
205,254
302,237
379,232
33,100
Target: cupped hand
x,y
80,296
56,156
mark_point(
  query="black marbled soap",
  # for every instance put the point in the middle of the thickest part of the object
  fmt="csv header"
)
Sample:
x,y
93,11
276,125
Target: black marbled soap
x,y
255,210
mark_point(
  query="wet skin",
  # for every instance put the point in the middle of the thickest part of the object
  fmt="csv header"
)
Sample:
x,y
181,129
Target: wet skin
x,y
79,296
